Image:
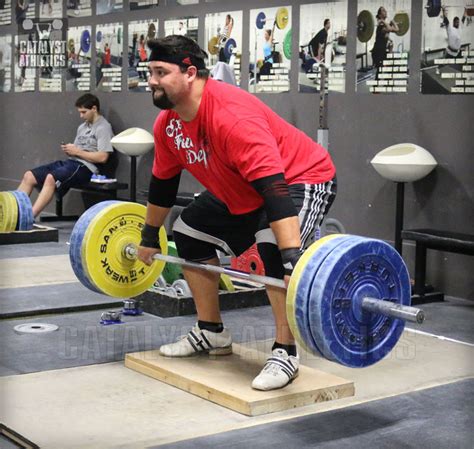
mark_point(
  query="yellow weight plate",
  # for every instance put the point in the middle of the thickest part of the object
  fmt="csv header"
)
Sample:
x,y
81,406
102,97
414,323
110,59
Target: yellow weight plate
x,y
4,212
8,212
213,45
293,287
102,251
225,283
151,31
282,18
14,211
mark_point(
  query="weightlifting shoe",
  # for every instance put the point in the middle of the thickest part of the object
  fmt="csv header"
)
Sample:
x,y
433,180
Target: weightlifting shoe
x,y
279,370
199,341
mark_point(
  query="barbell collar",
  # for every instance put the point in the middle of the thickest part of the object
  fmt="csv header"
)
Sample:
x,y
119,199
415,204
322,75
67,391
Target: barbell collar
x,y
393,310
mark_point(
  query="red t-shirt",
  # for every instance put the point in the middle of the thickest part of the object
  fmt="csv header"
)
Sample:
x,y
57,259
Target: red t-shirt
x,y
233,140
107,56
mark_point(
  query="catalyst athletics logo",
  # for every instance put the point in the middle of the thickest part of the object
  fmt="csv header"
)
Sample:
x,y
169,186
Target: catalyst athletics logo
x,y
42,43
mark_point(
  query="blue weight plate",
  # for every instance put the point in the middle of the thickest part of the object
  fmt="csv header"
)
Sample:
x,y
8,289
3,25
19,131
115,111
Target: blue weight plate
x,y
342,330
25,211
75,247
305,284
229,47
261,20
98,36
85,41
21,222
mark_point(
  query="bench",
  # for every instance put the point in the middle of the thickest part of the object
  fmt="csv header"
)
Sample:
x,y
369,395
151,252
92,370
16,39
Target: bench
x,y
439,240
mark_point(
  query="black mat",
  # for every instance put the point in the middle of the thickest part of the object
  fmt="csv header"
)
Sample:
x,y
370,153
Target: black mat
x,y
35,235
440,417
41,249
81,340
45,299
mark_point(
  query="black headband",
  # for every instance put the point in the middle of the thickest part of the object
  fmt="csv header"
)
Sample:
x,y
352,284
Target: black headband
x,y
182,59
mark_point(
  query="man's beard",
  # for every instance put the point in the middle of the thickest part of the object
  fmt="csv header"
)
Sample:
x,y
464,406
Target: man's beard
x,y
163,102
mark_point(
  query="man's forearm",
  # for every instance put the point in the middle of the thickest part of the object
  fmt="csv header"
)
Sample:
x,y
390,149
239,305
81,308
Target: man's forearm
x,y
287,232
96,157
156,215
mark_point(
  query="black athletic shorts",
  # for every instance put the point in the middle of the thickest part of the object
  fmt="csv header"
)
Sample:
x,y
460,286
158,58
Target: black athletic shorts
x,y
208,220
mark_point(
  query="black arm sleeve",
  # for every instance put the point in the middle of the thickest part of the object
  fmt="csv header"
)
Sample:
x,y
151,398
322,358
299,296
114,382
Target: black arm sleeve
x,y
163,192
276,196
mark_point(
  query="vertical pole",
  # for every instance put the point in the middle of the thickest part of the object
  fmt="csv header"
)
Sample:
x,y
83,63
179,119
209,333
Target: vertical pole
x,y
133,179
322,135
399,216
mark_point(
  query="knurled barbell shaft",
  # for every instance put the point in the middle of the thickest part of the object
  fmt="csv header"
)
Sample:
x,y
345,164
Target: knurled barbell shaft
x,y
266,280
374,305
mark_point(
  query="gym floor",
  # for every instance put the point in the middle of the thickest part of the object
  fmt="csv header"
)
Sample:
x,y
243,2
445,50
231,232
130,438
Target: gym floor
x,y
70,389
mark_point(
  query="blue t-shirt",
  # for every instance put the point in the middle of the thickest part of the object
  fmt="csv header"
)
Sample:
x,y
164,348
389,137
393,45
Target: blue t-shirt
x,y
267,52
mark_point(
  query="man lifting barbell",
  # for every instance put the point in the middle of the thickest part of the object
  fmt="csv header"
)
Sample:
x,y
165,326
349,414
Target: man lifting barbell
x,y
317,44
453,32
267,182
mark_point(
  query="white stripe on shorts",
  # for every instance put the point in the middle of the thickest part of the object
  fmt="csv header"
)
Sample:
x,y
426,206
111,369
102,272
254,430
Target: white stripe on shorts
x,y
311,214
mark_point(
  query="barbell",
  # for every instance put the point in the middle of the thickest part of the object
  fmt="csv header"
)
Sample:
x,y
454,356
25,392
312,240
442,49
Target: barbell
x,y
214,45
348,297
366,24
281,19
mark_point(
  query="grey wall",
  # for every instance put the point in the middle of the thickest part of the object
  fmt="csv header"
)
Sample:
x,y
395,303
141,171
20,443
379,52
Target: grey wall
x,y
33,124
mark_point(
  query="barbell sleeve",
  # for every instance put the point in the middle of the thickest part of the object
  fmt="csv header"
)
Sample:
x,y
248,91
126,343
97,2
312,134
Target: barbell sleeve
x,y
393,310
373,305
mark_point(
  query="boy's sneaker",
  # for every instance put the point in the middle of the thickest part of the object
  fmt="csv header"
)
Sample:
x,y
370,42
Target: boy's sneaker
x,y
279,371
199,341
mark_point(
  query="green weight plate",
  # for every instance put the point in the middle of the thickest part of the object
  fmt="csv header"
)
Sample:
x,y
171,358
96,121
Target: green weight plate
x,y
172,272
287,45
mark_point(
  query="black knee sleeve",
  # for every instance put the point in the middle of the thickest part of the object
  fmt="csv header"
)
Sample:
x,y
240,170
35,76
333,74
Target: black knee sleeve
x,y
193,249
271,258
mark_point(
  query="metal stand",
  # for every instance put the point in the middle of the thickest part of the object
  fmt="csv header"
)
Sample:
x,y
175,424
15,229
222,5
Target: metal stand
x,y
133,179
399,216
323,131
